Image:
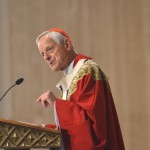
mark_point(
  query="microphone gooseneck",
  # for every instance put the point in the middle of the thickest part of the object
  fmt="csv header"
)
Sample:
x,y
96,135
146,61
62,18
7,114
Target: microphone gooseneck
x,y
19,81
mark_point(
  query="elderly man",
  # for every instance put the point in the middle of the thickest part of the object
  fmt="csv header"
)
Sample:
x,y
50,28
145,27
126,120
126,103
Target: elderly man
x,y
86,113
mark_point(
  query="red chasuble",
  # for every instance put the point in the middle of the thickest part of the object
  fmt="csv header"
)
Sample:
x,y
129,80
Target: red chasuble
x,y
88,118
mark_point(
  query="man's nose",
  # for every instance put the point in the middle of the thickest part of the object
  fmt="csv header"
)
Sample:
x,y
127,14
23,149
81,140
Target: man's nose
x,y
46,56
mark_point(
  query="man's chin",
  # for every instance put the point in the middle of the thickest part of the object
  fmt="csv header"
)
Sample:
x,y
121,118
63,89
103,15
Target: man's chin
x,y
54,69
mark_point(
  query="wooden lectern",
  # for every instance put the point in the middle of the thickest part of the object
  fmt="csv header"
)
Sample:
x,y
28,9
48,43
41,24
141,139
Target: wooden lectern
x,y
20,136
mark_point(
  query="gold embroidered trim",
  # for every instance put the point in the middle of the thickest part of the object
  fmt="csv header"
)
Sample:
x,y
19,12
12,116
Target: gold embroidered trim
x,y
88,67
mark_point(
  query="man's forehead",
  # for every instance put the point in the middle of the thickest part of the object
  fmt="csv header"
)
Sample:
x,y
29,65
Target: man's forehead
x,y
45,42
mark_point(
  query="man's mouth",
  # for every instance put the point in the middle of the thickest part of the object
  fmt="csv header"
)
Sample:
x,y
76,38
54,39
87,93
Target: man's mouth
x,y
51,62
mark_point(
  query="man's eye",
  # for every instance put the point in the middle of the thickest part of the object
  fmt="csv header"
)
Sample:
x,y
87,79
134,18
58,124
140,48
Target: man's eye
x,y
50,49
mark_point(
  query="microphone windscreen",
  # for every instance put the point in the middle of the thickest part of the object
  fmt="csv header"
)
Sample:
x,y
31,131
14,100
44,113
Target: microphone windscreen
x,y
19,81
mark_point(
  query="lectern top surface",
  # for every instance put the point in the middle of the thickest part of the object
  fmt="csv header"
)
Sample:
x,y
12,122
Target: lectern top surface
x,y
25,124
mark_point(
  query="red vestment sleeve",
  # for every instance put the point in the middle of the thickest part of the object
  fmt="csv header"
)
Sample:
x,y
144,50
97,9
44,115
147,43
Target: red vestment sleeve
x,y
88,120
52,126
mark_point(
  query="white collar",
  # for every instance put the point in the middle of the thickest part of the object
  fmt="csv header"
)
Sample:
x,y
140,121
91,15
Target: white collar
x,y
65,82
68,69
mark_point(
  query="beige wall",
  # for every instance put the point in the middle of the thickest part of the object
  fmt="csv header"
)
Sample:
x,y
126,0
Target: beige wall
x,y
116,33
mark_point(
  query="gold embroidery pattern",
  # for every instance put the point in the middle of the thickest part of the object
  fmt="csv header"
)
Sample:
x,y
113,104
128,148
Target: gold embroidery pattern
x,y
88,67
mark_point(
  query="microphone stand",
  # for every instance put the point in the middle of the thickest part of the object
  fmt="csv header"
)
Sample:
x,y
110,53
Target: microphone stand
x,y
7,91
19,81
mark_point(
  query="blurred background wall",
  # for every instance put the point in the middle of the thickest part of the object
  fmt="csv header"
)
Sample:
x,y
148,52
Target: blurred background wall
x,y
116,33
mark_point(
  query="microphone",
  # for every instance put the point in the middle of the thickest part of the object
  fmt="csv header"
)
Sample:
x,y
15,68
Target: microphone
x,y
19,81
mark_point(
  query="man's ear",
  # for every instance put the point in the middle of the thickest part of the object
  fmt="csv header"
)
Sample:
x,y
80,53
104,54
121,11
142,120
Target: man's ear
x,y
68,44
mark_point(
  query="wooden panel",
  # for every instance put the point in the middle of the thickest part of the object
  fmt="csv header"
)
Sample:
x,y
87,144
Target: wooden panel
x,y
21,135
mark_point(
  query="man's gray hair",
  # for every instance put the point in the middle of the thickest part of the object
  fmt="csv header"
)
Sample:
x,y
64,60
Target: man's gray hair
x,y
56,36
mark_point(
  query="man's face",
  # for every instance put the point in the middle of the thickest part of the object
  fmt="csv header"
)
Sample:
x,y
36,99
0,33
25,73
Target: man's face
x,y
55,55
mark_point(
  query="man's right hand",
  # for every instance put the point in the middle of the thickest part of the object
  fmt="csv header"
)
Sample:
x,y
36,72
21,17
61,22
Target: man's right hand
x,y
47,99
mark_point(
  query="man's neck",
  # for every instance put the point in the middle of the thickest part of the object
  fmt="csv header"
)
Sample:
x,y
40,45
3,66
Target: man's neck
x,y
70,62
68,69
